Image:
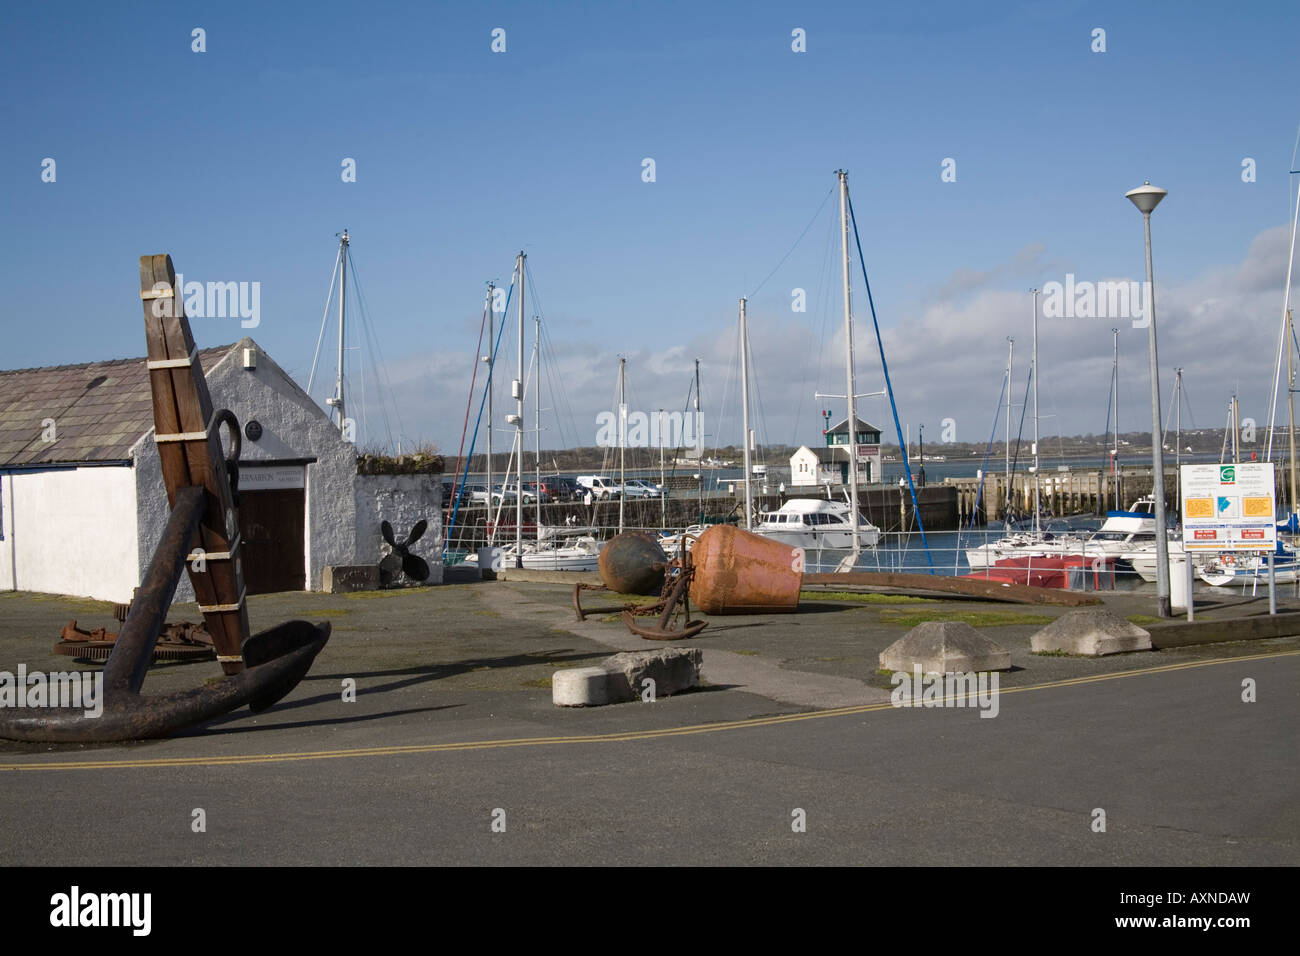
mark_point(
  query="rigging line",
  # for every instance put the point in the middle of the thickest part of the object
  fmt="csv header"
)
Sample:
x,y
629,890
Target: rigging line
x,y
365,426
1188,405
385,383
607,458
451,524
1024,406
988,450
551,358
889,387
825,284
546,351
323,319
1110,398
818,311
1056,415
555,385
1227,427
686,410
557,404
756,402
532,290
365,341
469,399
1169,416
1286,296
732,370
796,243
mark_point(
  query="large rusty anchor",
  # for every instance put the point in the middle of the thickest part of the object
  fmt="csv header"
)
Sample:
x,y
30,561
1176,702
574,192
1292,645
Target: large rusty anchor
x,y
634,563
201,536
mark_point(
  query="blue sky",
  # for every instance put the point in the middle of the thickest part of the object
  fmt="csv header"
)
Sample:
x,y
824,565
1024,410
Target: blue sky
x,y
230,161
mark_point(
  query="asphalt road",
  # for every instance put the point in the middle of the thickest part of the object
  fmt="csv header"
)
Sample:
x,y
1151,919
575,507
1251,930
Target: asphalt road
x,y
1186,772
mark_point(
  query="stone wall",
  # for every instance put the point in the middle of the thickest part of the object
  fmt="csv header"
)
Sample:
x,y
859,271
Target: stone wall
x,y
401,500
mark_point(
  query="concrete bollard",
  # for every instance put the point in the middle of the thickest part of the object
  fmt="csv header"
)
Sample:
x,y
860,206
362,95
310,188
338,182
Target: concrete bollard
x,y
580,687
1091,632
624,677
945,647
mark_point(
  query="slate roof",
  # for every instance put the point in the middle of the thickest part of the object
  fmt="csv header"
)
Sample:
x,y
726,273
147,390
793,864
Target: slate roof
x,y
100,409
844,427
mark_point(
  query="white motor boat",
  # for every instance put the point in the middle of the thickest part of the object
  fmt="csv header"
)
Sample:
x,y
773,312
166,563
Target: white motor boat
x,y
1143,558
1122,532
816,524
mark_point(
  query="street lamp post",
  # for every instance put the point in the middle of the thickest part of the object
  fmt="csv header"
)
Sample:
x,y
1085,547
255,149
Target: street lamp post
x,y
1146,197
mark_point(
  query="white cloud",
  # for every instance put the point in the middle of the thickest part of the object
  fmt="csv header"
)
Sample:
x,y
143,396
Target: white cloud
x,y
946,358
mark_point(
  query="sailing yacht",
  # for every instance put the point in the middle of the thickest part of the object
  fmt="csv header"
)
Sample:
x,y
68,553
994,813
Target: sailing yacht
x,y
815,523
1124,535
1034,543
558,549
1247,570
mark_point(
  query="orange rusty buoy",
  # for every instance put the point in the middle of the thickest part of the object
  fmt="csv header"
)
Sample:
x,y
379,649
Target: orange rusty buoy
x,y
737,572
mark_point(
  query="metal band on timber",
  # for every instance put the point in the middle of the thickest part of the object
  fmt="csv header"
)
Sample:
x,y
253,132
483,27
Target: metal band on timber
x,y
189,446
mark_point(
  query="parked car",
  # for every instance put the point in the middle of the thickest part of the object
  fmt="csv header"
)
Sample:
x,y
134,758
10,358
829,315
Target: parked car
x,y
601,487
641,488
531,487
476,494
510,492
560,489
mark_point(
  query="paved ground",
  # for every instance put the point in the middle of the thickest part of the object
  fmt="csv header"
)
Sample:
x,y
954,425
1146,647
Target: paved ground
x,y
453,721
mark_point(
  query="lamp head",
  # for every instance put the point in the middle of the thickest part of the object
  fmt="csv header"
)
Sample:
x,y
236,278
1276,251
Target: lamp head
x,y
1146,197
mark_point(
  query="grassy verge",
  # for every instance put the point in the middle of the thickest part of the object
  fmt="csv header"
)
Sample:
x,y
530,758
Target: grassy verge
x,y
973,618
862,597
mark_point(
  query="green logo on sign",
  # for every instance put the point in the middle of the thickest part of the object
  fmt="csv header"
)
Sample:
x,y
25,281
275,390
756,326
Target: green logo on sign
x,y
1227,474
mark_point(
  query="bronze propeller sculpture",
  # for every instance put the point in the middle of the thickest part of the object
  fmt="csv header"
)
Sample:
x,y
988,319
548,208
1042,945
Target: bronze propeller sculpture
x,y
201,536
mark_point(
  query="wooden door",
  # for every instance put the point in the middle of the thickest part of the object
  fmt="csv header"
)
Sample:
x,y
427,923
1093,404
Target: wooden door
x,y
271,524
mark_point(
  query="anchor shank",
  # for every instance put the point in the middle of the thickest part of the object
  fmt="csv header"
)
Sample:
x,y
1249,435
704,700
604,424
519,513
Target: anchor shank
x,y
129,662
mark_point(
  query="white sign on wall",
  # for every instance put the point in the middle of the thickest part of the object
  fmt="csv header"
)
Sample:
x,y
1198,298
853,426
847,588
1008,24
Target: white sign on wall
x,y
1229,507
270,477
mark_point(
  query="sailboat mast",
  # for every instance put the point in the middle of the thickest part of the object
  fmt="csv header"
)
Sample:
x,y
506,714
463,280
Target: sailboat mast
x,y
519,425
663,493
1286,311
699,441
537,420
343,298
1290,404
744,413
1115,399
488,358
850,390
622,440
1236,431
1011,351
1034,372
1178,435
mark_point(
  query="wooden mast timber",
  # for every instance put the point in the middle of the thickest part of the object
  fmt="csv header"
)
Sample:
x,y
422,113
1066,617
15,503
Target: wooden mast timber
x,y
189,447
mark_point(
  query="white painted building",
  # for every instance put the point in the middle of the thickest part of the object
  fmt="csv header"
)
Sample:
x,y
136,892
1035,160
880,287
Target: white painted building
x,y
829,465
82,503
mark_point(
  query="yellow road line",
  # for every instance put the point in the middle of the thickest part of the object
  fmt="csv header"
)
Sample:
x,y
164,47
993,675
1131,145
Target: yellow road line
x,y
625,736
